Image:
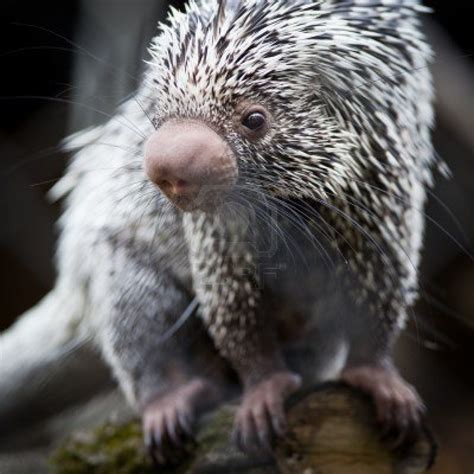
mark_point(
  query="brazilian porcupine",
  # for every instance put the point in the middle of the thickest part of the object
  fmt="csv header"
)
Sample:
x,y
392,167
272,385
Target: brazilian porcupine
x,y
295,136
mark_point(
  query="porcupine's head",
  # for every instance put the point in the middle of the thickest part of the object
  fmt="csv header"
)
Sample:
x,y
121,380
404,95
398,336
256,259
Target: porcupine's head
x,y
288,97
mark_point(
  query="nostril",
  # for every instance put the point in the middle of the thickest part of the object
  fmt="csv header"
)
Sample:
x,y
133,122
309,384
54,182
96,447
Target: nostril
x,y
180,187
180,184
163,184
176,187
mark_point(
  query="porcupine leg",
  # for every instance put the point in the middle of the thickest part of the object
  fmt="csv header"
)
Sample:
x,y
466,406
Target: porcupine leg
x,y
226,283
399,409
170,377
370,368
380,282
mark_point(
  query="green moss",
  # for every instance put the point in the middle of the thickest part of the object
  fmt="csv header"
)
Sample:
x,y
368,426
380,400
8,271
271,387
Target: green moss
x,y
109,449
118,449
215,434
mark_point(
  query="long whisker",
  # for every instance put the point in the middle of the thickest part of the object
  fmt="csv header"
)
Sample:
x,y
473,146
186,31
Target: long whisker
x,y
295,218
421,211
310,211
407,203
79,48
131,126
260,204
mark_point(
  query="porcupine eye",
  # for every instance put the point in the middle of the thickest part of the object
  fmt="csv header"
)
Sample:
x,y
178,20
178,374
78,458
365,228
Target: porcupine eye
x,y
254,121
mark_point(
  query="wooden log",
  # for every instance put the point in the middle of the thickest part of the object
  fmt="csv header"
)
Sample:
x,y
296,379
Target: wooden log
x,y
332,430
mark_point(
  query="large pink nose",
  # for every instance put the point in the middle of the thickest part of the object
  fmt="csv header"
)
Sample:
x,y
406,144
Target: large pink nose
x,y
190,163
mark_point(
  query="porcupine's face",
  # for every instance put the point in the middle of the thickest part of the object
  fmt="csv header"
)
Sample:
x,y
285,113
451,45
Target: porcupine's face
x,y
241,100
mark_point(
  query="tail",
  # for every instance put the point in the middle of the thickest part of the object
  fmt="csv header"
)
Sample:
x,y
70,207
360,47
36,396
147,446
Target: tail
x,y
46,361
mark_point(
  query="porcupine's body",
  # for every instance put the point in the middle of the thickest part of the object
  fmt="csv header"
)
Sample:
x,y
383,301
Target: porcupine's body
x,y
321,280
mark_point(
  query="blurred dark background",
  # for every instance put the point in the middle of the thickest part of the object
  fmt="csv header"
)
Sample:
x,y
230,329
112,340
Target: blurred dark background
x,y
66,65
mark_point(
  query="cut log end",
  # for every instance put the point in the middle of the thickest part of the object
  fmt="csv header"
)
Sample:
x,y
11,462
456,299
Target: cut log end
x,y
332,430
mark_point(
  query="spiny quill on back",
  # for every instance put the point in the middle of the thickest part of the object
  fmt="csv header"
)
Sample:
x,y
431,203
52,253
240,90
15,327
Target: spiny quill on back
x,y
307,121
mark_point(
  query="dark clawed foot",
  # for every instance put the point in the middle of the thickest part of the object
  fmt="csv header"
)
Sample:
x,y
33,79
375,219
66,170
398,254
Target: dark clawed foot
x,y
261,416
399,408
169,421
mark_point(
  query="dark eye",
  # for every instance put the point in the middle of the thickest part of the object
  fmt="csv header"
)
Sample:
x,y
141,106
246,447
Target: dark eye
x,y
254,121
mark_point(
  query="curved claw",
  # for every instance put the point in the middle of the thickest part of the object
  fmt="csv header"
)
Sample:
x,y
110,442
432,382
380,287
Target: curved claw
x,y
399,409
261,417
168,423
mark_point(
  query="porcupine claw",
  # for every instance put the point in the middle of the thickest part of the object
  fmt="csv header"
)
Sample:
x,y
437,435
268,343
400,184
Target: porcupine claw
x,y
399,409
261,416
168,421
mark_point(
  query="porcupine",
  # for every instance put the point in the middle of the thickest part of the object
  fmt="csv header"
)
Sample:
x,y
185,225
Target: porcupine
x,y
302,127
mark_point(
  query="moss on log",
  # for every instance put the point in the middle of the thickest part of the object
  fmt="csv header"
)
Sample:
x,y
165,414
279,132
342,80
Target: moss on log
x,y
332,430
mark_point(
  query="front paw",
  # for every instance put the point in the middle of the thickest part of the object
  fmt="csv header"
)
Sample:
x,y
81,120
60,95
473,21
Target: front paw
x,y
261,416
398,406
168,421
